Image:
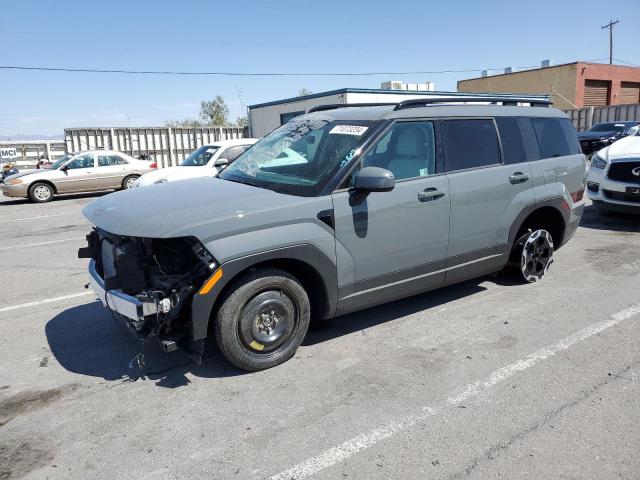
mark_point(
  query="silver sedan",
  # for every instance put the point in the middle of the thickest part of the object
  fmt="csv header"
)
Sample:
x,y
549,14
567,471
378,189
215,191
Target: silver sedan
x,y
80,172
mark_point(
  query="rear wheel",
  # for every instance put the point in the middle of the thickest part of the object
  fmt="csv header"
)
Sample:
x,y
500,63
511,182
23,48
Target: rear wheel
x,y
533,252
129,181
40,192
263,320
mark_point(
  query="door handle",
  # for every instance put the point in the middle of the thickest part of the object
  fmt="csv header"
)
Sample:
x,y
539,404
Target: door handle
x,y
518,177
429,194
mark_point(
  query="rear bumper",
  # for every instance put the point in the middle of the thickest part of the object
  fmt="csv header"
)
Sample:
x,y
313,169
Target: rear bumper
x,y
128,306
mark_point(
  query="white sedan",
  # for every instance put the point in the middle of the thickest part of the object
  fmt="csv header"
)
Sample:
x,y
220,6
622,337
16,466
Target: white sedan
x,y
206,161
613,181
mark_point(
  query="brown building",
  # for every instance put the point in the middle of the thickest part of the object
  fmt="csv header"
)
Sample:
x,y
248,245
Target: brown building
x,y
571,85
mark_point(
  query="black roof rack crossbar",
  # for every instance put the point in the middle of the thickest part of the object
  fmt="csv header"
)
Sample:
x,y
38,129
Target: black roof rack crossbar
x,y
506,101
333,106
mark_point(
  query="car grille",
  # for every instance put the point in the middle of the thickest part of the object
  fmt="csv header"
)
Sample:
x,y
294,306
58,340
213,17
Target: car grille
x,y
621,196
623,172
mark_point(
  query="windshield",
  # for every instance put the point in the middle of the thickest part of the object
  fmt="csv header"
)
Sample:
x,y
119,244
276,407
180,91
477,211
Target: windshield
x,y
58,163
608,127
300,156
200,157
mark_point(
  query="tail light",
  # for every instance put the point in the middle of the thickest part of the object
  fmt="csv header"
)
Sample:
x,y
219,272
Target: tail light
x,y
153,165
577,196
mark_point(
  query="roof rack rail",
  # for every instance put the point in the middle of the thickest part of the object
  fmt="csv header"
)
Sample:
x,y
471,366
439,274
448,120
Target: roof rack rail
x,y
333,106
506,101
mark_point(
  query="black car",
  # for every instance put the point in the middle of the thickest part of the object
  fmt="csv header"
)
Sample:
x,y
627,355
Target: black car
x,y
604,134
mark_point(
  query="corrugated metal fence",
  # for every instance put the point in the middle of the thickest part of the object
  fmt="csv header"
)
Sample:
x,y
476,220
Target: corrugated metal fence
x,y
584,118
168,146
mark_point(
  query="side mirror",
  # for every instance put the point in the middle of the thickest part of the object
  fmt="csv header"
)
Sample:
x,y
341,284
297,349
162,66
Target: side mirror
x,y
64,168
374,179
221,163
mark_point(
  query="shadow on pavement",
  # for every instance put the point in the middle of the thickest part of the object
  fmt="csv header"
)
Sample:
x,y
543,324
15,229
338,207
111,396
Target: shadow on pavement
x,y
57,198
86,340
616,222
371,317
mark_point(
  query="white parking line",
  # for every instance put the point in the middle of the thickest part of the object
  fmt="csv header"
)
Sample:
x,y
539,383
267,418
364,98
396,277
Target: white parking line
x,y
46,300
368,439
36,218
41,243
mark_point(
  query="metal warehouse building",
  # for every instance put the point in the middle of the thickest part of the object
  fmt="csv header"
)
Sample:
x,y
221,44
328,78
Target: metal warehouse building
x,y
265,117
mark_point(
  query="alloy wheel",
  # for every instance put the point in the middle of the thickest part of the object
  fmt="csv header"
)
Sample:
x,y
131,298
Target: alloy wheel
x,y
536,256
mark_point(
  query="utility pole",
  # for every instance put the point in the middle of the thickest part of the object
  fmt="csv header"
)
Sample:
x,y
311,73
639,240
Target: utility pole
x,y
610,27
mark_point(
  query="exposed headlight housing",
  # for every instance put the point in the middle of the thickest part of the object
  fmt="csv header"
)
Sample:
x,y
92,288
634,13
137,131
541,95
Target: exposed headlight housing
x,y
597,162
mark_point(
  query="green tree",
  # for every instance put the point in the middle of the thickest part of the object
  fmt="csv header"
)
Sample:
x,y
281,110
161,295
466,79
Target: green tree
x,y
186,123
242,121
214,112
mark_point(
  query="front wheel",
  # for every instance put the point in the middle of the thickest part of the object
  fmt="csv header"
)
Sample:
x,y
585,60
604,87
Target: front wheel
x,y
263,320
40,192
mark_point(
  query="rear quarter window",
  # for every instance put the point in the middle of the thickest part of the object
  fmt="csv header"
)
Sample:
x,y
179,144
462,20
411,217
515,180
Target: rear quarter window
x,y
470,143
556,137
518,139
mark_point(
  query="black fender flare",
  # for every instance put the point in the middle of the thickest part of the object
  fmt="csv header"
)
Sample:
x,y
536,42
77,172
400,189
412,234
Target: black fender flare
x,y
558,203
202,304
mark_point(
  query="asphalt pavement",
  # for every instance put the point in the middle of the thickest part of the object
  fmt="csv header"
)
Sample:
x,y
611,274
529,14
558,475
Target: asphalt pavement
x,y
486,379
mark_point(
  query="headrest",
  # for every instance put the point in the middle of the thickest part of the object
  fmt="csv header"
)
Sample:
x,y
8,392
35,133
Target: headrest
x,y
411,142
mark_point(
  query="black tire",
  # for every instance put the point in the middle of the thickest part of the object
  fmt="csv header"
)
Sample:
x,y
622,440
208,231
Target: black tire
x,y
532,255
262,320
38,192
127,182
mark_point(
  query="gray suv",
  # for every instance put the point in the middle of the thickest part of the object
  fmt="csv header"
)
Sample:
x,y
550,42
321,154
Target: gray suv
x,y
338,210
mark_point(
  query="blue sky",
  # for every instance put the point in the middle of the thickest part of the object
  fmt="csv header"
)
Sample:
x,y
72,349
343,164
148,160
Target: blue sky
x,y
270,36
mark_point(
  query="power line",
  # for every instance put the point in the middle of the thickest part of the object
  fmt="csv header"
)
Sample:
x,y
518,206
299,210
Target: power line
x,y
626,63
258,74
242,74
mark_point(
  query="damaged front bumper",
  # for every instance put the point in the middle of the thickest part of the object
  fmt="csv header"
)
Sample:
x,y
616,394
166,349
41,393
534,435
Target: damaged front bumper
x,y
134,309
149,284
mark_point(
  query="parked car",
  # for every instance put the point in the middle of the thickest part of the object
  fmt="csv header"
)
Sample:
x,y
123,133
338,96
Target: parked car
x,y
613,181
604,134
206,161
390,201
77,172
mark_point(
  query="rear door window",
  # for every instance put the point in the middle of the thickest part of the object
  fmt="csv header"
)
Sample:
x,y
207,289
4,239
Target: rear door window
x,y
110,160
556,137
470,143
518,140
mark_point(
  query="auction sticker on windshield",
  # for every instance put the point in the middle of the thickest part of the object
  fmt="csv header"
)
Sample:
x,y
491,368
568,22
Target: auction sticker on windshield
x,y
356,130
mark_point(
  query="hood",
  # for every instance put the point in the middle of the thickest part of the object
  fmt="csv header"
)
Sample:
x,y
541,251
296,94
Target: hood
x,y
596,135
24,173
627,147
202,207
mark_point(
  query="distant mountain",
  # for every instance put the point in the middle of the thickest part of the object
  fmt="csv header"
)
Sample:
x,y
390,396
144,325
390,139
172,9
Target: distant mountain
x,y
22,136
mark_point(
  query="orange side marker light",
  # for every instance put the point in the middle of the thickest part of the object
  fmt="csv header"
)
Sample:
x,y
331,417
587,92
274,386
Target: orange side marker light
x,y
213,279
